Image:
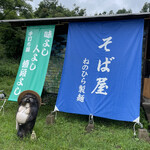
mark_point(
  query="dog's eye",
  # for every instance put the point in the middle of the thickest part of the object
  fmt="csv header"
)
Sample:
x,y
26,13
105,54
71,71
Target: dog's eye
x,y
24,99
30,98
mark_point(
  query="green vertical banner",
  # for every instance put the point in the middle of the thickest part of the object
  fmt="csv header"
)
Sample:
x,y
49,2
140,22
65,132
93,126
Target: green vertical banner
x,y
35,59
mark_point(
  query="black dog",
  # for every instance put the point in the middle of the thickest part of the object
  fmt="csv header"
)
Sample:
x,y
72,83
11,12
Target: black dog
x,y
26,114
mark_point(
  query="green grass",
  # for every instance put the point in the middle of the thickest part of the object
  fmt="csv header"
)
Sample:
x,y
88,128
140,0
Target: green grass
x,y
68,132
8,72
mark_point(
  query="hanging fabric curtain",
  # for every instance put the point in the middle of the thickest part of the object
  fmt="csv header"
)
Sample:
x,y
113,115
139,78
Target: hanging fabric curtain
x,y
102,70
34,62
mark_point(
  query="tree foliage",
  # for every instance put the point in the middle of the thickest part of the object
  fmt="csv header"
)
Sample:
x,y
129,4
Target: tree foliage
x,y
12,38
12,9
51,8
124,11
146,8
111,12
